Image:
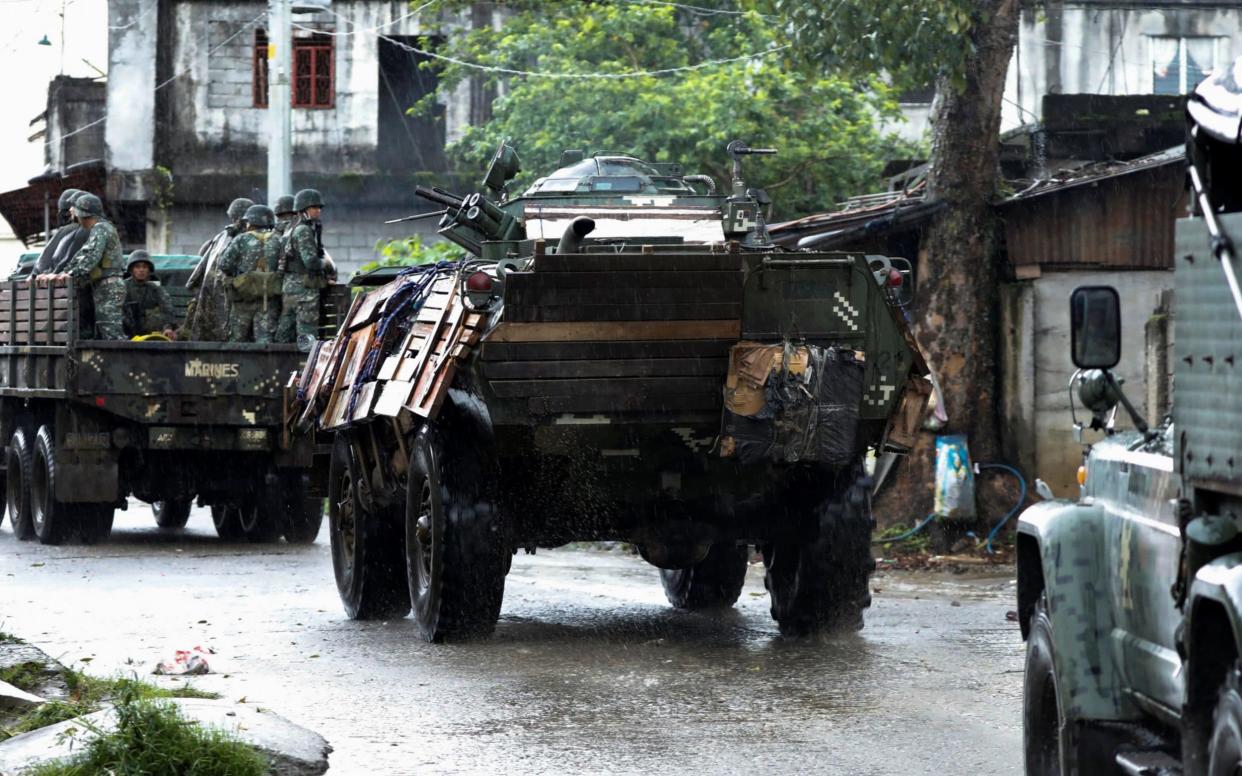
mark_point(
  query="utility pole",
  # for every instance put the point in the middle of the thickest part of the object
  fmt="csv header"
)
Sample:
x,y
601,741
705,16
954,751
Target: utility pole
x,y
279,98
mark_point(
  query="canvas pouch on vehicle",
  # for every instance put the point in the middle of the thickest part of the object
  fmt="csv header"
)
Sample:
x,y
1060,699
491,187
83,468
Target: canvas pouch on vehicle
x,y
788,403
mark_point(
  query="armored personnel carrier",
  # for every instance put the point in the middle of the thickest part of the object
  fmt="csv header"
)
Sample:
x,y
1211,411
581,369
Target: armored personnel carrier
x,y
623,355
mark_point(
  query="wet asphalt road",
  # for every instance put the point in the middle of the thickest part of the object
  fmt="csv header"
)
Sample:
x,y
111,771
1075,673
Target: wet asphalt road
x,y
589,671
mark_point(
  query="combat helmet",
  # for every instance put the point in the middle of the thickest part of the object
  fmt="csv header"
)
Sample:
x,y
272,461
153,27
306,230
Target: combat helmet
x,y
66,199
139,257
260,217
237,208
307,198
88,205
284,205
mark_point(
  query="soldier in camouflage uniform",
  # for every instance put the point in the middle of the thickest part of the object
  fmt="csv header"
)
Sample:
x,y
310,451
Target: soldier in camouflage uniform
x,y
97,266
250,263
206,318
148,307
304,273
286,216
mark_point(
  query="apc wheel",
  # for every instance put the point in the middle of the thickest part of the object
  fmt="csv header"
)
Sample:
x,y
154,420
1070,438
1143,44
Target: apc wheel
x,y
1047,741
171,514
1225,747
824,584
456,555
713,583
18,465
367,551
227,520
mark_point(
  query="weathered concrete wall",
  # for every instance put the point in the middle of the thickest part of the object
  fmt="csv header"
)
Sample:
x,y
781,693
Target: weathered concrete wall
x,y
1093,48
72,104
132,42
1097,48
1036,365
216,127
349,233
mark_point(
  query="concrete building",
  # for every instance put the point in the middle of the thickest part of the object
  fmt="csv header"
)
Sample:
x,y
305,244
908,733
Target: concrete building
x,y
185,117
1107,47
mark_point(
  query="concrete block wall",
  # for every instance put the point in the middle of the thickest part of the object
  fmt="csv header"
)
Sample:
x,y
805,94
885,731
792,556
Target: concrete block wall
x,y
350,233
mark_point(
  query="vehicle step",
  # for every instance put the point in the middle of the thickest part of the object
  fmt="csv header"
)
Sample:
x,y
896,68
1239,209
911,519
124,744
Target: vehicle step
x,y
1148,762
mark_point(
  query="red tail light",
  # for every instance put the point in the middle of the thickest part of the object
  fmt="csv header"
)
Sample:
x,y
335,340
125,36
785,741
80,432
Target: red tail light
x,y
479,282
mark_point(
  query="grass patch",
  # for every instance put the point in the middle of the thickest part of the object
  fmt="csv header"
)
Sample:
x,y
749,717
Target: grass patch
x,y
152,737
88,694
26,676
9,638
920,542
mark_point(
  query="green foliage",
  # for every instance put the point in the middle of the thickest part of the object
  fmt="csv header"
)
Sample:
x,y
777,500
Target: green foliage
x,y
913,41
153,737
26,676
411,251
824,126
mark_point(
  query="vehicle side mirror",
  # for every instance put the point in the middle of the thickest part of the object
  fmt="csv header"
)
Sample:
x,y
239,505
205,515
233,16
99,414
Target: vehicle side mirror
x,y
1095,327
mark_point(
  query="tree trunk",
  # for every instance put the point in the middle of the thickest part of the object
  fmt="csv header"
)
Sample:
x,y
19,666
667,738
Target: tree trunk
x,y
957,306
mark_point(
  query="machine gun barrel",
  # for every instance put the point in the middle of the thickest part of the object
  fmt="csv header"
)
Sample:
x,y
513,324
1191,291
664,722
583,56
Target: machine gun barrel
x,y
438,196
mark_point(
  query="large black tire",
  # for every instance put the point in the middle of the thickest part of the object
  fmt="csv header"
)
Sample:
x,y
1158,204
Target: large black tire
x,y
171,514
1225,747
456,552
18,464
261,522
713,583
227,521
368,551
303,514
1047,745
823,584
54,521
95,522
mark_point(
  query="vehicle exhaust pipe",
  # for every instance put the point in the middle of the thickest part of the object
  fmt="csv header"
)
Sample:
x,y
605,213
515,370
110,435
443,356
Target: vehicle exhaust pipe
x,y
571,240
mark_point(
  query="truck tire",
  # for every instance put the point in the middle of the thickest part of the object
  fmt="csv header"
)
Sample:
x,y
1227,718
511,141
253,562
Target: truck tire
x,y
19,462
54,521
303,514
1225,746
456,555
95,522
227,520
261,523
824,584
1047,742
367,552
713,583
171,514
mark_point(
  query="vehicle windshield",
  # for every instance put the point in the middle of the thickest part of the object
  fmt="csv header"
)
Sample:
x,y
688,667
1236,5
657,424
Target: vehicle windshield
x,y
609,175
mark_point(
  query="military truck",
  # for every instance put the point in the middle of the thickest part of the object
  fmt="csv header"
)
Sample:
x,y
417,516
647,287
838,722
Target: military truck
x,y
87,423
1129,596
623,355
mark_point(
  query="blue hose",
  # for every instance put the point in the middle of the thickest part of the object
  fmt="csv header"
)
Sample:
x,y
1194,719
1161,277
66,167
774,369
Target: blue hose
x,y
1013,511
907,534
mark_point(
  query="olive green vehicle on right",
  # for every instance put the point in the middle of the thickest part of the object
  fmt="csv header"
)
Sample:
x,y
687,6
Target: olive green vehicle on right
x,y
1130,597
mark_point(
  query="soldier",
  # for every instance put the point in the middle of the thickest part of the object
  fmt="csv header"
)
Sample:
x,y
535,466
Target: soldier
x,y
286,216
148,308
97,266
206,317
303,268
68,225
254,290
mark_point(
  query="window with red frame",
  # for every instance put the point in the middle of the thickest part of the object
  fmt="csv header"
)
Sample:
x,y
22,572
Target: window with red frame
x,y
313,83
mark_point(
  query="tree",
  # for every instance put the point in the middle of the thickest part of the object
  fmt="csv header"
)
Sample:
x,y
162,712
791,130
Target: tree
x,y
825,126
965,46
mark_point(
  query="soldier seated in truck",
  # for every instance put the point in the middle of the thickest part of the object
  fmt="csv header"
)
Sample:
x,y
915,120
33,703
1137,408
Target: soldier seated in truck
x,y
148,308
